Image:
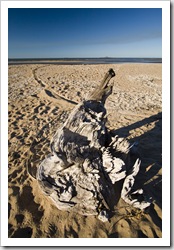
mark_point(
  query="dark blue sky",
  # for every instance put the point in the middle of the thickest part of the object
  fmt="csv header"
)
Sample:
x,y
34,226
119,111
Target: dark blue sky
x,y
41,33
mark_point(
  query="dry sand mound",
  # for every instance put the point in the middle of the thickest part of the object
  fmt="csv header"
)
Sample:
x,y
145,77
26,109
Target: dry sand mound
x,y
40,99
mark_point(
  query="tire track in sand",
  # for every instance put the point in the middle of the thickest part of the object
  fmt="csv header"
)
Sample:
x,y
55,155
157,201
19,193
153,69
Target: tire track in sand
x,y
63,102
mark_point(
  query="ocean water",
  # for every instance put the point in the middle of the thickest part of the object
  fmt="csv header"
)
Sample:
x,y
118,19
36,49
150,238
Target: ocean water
x,y
82,61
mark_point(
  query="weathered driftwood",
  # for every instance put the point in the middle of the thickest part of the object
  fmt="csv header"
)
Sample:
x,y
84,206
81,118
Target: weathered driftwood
x,y
86,161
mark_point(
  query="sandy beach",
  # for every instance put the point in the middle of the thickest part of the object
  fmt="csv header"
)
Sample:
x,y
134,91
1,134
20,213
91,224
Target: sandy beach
x,y
40,98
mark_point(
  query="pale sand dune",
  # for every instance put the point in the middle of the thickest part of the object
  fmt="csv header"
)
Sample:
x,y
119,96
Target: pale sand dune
x,y
40,98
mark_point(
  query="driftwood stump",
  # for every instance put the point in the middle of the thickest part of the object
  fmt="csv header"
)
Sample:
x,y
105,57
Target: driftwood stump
x,y
86,161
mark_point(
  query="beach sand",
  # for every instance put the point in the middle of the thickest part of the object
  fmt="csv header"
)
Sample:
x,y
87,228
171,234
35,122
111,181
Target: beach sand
x,y
40,98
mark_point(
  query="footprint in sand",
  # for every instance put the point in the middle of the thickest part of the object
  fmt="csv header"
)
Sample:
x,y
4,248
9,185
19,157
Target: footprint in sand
x,y
25,232
19,218
124,229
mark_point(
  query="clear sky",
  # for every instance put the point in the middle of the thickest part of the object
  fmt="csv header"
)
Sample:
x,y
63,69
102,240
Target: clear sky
x,y
57,33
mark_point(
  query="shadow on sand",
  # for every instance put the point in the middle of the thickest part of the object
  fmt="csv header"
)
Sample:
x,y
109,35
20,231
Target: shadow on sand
x,y
150,153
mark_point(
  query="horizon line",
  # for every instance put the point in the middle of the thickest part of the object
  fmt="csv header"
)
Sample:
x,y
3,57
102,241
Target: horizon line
x,y
56,58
